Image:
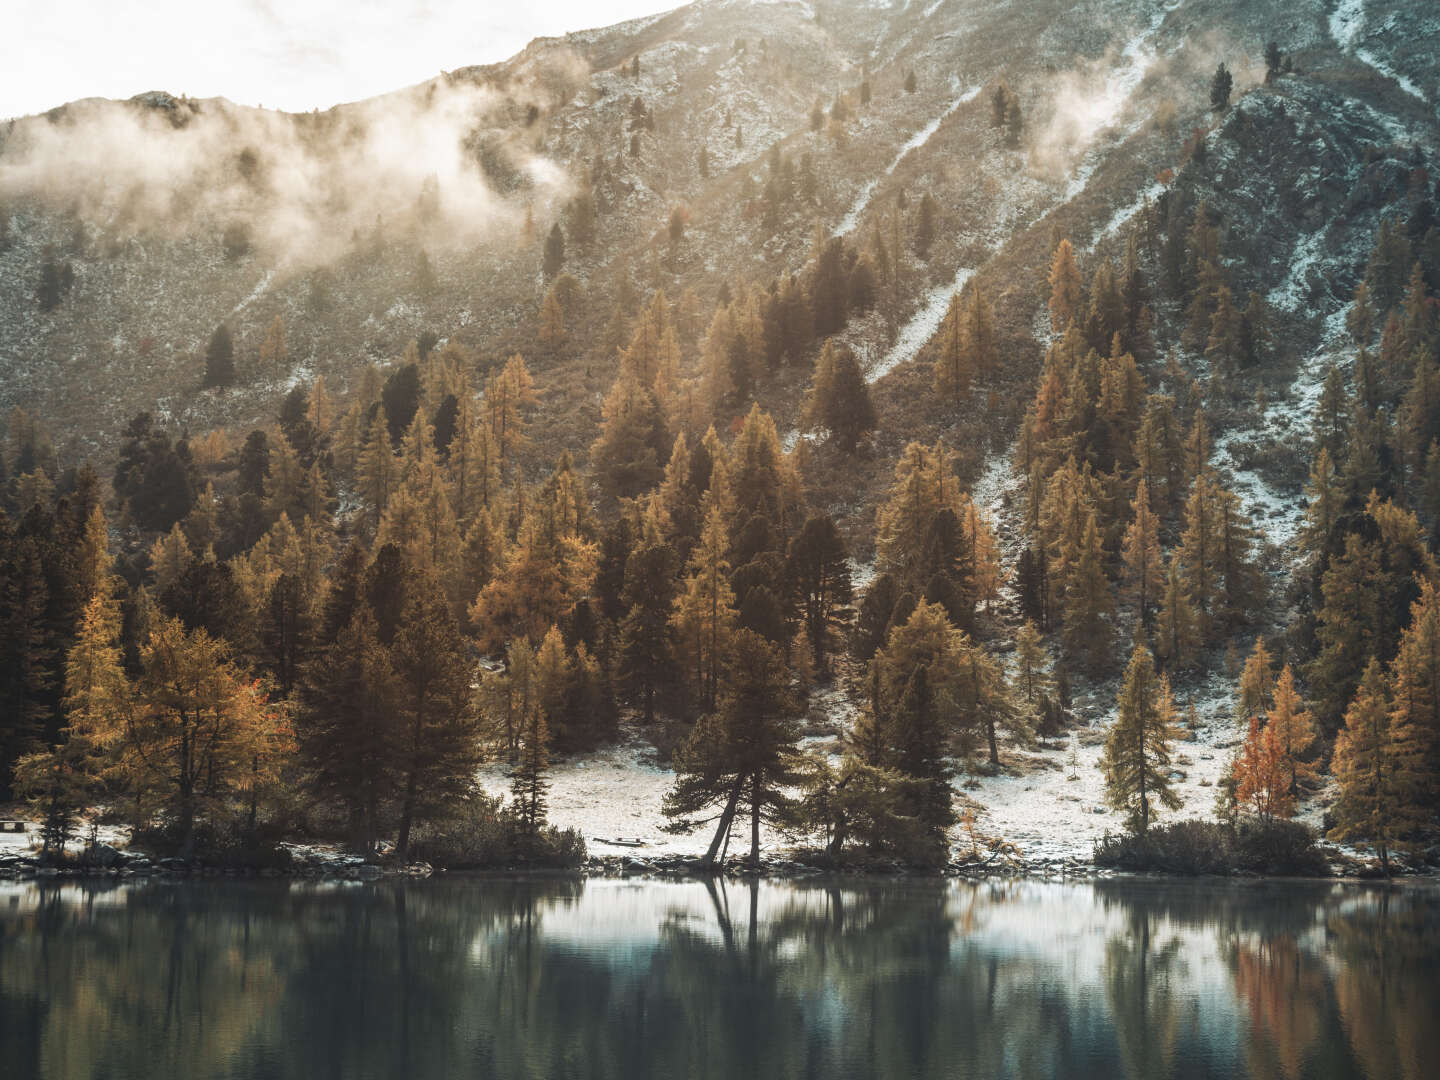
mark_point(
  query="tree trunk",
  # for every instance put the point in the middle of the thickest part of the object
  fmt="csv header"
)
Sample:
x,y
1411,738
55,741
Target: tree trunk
x,y
994,747
407,815
723,829
755,821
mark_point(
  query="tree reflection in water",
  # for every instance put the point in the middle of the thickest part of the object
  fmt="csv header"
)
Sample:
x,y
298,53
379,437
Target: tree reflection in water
x,y
552,978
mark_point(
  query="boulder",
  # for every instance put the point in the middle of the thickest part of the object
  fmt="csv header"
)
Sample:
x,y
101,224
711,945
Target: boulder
x,y
105,856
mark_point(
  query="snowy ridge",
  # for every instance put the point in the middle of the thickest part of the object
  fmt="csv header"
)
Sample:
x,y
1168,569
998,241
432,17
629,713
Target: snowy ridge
x,y
919,139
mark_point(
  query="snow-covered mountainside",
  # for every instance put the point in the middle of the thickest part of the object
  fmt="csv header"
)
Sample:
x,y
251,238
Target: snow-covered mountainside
x,y
650,145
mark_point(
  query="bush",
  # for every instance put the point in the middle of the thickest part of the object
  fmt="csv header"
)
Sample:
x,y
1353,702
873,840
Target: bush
x,y
481,833
1279,847
1184,847
1207,847
231,846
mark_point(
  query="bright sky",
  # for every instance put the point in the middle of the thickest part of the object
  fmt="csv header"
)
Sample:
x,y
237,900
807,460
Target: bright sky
x,y
288,54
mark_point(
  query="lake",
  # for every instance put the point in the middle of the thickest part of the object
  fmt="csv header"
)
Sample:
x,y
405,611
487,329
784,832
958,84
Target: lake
x,y
512,978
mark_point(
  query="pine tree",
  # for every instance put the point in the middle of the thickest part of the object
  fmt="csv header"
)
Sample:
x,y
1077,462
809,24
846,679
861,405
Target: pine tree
x,y
926,222
645,655
379,472
839,398
1255,330
953,368
529,780
1065,288
1378,803
1259,774
743,756
436,744
1088,600
169,556
200,732
1220,85
1387,272
1033,683
347,725
1176,634
1324,498
61,780
1014,122
916,734
220,358
273,353
473,464
1415,717
818,568
627,458
760,713
1274,58
507,395
554,256
552,322
1142,556
1257,684
704,618
1198,550
1225,345
1360,319
1294,732
1136,760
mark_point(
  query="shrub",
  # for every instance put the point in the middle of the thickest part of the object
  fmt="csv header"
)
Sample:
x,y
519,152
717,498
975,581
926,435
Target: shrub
x,y
1207,847
482,833
1279,847
229,845
1182,847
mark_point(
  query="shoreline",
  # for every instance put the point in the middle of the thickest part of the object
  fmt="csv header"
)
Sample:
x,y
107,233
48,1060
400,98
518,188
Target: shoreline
x,y
351,869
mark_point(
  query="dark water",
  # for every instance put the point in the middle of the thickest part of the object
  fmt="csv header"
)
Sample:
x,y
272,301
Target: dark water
x,y
526,978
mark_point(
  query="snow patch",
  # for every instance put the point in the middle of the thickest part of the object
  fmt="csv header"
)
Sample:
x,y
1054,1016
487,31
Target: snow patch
x,y
922,325
919,139
1125,213
1347,27
255,293
1290,293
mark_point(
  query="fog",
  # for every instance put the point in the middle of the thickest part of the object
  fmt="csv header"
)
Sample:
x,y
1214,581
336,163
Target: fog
x,y
455,159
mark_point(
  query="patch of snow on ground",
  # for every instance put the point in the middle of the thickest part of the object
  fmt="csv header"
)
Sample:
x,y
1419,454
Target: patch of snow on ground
x,y
1346,22
1053,818
618,793
861,575
1290,293
989,490
1278,515
1347,27
255,293
805,8
919,139
1125,213
921,327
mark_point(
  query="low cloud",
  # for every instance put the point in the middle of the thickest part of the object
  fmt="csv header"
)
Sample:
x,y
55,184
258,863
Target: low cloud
x,y
456,157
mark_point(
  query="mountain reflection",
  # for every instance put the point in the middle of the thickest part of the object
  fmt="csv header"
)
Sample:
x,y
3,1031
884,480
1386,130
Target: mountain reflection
x,y
550,978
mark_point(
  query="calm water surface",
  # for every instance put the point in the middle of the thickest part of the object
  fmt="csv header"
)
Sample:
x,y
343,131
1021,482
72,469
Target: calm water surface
x,y
530,978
